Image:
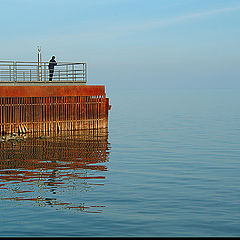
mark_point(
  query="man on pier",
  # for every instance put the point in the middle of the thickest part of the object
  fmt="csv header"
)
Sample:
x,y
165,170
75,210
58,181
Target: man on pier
x,y
51,65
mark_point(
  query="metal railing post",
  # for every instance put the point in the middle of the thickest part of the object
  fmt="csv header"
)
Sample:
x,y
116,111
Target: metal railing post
x,y
10,75
15,71
67,71
45,72
73,75
85,72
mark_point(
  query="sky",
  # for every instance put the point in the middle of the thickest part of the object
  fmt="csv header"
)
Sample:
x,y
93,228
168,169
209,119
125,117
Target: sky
x,y
130,44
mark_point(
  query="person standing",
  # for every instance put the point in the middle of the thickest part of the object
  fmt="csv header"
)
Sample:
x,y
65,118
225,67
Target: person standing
x,y
51,65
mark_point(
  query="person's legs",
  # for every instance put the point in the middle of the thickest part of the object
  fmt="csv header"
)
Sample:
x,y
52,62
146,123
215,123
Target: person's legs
x,y
51,74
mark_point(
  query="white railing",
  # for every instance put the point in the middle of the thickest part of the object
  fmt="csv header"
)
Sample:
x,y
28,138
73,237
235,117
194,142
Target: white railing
x,y
33,71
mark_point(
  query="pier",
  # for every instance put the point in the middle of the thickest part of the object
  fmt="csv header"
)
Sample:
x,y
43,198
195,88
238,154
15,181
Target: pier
x,y
29,102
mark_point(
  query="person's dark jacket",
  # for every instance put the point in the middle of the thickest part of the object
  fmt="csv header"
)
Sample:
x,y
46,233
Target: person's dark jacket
x,y
51,64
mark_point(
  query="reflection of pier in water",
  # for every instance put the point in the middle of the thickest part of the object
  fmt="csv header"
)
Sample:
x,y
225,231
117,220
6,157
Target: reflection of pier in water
x,y
34,168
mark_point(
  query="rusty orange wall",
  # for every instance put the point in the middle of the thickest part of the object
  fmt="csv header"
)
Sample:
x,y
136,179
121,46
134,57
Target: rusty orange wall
x,y
52,108
52,91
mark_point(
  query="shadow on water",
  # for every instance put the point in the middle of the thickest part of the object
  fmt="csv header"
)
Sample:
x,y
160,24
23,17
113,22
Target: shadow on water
x,y
49,170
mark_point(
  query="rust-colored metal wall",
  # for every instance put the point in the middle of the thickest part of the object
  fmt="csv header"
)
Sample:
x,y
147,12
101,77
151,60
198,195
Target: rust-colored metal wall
x,y
52,91
52,108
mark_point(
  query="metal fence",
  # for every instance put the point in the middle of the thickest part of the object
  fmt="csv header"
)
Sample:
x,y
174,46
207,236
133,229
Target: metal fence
x,y
34,71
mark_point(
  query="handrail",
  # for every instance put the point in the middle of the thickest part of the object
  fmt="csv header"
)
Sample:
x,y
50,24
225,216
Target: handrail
x,y
35,71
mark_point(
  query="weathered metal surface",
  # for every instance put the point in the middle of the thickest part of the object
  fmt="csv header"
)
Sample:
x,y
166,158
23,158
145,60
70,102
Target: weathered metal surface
x,y
52,91
52,108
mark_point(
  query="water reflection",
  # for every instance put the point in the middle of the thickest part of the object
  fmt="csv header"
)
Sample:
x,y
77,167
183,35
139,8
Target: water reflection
x,y
47,170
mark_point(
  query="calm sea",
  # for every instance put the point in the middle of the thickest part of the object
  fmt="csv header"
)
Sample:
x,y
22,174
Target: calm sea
x,y
168,165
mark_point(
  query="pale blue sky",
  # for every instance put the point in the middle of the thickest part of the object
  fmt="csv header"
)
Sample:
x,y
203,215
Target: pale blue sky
x,y
143,44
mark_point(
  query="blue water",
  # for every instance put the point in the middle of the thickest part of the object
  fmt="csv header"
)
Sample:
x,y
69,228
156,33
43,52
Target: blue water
x,y
168,166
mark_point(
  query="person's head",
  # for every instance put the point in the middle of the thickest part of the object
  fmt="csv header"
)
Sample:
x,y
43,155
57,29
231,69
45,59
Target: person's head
x,y
53,57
